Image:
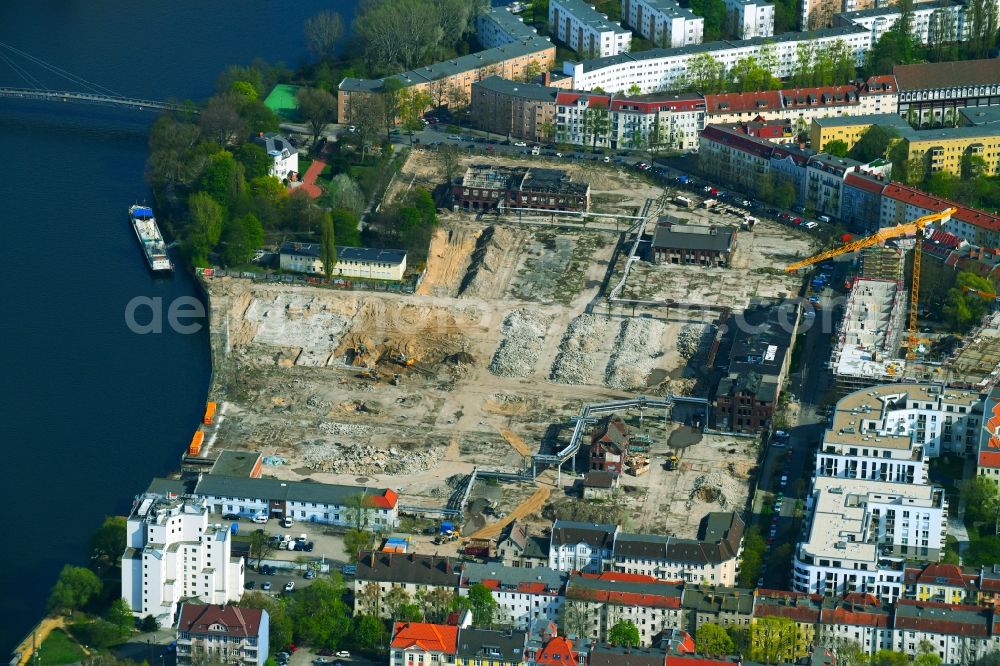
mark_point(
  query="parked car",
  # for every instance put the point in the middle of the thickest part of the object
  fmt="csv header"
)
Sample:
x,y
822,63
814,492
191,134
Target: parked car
x,y
343,654
287,522
520,144
231,516
249,585
289,586
309,574
266,586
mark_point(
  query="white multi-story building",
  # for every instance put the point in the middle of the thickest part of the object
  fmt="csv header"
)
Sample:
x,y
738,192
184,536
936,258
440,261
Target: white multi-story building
x,y
664,22
599,601
587,31
750,18
284,156
173,552
663,120
577,546
497,26
357,262
522,595
302,501
932,22
665,69
861,531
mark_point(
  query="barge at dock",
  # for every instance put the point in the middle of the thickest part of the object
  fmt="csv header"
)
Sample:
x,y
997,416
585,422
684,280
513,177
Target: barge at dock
x,y
150,238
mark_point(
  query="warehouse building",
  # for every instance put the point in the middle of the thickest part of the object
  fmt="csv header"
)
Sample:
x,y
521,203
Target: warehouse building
x,y
702,245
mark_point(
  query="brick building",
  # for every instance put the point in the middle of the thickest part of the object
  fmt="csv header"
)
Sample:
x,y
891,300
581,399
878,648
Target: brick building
x,y
515,109
486,187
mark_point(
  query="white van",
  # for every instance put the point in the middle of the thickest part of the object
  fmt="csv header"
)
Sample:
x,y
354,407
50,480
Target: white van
x,y
823,218
260,519
535,150
810,225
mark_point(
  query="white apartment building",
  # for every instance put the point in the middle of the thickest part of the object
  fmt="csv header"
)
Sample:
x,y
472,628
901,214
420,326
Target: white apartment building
x,y
942,20
750,18
172,552
522,595
665,69
664,22
664,120
861,531
302,501
602,600
575,546
587,31
379,572
497,26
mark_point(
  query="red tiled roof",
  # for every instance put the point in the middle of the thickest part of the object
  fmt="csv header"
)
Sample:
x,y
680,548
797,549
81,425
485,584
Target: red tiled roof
x,y
650,104
869,618
386,500
861,598
730,137
915,197
426,636
945,621
233,620
531,588
821,97
863,183
989,458
767,100
881,84
695,660
557,652
945,239
595,100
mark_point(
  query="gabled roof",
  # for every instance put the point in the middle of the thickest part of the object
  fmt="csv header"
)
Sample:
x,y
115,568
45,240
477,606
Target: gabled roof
x,y
730,137
219,620
500,645
557,651
941,618
408,568
767,100
865,182
425,636
567,532
214,485
625,590
947,74
595,100
824,96
942,574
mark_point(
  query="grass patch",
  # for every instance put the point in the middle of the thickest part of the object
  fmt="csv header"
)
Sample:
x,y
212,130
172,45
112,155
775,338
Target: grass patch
x,y
58,649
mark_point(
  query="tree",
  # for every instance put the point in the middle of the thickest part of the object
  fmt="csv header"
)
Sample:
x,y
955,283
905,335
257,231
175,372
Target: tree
x,y
241,237
711,639
576,619
850,653
367,116
804,53
873,144
322,32
927,654
773,640
596,124
261,546
207,220
624,633
268,196
148,624
356,541
548,131
449,162
412,104
319,615
369,631
482,604
973,166
397,34
75,587
982,20
220,120
634,89
318,108
409,613
941,184
108,542
979,493
437,603
837,148
752,560
224,179
531,70
255,160
705,74
395,599
345,194
889,658
714,13
120,615
327,245
280,621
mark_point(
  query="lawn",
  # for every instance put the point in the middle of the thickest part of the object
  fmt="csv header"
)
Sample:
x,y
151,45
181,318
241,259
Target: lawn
x,y
59,649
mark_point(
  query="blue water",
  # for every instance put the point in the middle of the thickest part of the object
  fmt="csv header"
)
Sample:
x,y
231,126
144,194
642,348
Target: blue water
x,y
92,411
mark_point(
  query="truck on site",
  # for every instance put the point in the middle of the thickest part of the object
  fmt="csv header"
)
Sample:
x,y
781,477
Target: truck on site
x,y
709,203
683,180
683,201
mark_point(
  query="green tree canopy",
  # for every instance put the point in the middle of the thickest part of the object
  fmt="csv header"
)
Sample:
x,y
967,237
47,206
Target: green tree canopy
x,y
345,193
319,615
356,541
224,179
483,605
873,143
108,542
624,633
964,306
255,160
318,108
205,229
773,640
327,245
890,658
241,236
711,639
120,615
837,148
369,631
281,621
75,587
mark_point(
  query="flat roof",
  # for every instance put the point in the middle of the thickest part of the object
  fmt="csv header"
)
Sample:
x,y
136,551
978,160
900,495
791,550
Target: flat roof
x,y
236,463
344,253
893,120
894,9
513,25
670,8
840,508
870,331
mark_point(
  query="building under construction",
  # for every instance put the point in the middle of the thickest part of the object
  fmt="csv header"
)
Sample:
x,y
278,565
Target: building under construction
x,y
882,262
868,341
487,187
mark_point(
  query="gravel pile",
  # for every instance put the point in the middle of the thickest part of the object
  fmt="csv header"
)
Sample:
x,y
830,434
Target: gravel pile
x,y
364,460
333,428
572,365
694,339
715,488
524,333
636,348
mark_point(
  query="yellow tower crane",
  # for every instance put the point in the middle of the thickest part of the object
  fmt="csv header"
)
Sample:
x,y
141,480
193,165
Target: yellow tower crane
x,y
915,227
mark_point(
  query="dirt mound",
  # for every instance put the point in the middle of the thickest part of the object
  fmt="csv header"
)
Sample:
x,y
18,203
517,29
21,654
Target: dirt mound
x,y
486,260
461,358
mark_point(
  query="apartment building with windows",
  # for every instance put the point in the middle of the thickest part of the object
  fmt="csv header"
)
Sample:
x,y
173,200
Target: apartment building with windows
x,y
941,583
665,69
664,22
860,533
379,572
489,647
576,546
599,601
859,617
524,596
930,22
727,155
211,634
750,18
514,109
932,93
497,26
825,175
517,546
587,31
988,455
173,552
355,262
423,644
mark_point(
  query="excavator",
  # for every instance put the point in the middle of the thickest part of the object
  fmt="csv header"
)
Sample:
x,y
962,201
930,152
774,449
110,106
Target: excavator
x,y
914,228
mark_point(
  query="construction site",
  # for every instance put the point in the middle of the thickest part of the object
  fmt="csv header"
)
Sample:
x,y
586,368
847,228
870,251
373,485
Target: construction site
x,y
451,394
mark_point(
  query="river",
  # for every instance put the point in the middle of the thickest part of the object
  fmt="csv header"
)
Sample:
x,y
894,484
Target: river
x,y
91,410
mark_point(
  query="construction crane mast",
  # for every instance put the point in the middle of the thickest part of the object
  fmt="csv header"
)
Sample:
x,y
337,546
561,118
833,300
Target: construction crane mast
x,y
915,228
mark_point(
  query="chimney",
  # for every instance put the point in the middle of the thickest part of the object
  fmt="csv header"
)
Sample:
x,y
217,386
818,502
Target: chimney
x,y
546,78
